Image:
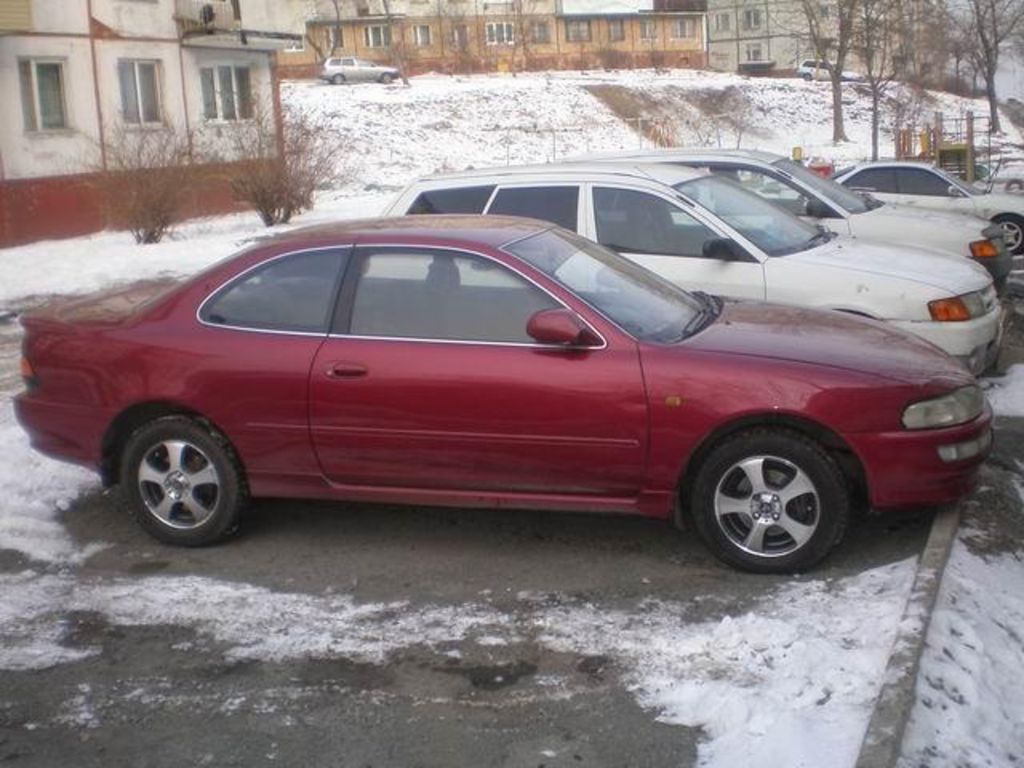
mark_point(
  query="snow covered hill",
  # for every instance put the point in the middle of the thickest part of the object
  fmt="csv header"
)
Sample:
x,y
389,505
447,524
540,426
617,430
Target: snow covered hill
x,y
395,134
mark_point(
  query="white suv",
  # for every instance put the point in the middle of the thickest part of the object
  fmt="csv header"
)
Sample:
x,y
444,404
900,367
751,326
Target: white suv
x,y
812,69
706,233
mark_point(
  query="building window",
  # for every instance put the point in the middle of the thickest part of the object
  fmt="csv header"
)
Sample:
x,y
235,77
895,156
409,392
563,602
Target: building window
x,y
42,95
684,29
752,18
826,11
577,31
616,30
421,35
460,36
539,32
140,91
500,33
754,52
723,22
377,36
227,93
648,30
336,37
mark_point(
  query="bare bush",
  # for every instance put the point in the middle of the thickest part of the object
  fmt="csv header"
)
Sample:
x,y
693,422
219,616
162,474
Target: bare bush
x,y
146,178
278,175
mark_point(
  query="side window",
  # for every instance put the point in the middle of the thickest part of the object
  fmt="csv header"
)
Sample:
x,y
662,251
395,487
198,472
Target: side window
x,y
293,293
458,200
636,222
917,181
558,205
767,186
428,294
874,180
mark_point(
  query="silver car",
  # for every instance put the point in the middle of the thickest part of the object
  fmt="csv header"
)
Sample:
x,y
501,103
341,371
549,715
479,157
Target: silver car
x,y
352,70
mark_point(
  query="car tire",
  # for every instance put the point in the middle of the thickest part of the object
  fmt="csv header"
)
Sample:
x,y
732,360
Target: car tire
x,y
770,501
182,482
386,78
807,76
1013,231
338,79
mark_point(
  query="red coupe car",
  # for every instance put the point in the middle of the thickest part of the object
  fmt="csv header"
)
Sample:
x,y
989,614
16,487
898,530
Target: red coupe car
x,y
489,361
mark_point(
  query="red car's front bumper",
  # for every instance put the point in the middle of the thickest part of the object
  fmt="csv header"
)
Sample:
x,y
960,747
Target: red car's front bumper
x,y
905,468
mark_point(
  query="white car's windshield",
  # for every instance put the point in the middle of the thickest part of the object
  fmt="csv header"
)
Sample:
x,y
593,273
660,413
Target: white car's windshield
x,y
772,229
638,301
839,195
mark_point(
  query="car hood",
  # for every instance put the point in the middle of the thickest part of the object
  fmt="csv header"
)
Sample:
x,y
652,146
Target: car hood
x,y
953,221
898,261
827,338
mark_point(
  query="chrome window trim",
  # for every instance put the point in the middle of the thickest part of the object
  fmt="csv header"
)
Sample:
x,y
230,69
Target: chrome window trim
x,y
259,265
353,246
513,270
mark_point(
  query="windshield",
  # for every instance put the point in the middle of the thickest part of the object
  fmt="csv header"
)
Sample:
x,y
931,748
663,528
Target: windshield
x,y
836,193
772,229
638,301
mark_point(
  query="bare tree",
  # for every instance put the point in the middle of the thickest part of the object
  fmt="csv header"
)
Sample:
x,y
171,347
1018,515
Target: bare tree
x,y
875,38
279,178
831,38
995,22
396,45
146,180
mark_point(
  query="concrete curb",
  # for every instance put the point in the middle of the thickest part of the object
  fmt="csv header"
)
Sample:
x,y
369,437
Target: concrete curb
x,y
884,737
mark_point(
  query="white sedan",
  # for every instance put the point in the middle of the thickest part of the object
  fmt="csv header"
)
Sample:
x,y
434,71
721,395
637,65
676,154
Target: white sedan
x,y
920,185
706,233
791,186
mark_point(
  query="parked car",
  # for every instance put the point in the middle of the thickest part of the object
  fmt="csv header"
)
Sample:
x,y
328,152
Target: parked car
x,y
924,186
705,233
792,186
494,362
812,69
351,70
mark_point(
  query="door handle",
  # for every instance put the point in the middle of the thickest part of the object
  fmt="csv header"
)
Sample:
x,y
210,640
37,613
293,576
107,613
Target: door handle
x,y
345,370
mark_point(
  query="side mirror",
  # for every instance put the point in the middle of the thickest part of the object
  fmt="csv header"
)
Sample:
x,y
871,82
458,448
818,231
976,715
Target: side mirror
x,y
562,327
723,249
816,209
955,191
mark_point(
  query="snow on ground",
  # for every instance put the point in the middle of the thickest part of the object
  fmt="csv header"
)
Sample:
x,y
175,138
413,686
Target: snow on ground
x,y
1006,394
397,134
789,683
969,692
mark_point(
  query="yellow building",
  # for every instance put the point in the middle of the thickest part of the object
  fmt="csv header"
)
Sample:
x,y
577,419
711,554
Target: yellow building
x,y
474,36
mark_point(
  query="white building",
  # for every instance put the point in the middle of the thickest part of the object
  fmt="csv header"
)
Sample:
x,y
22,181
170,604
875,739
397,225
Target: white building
x,y
76,72
758,35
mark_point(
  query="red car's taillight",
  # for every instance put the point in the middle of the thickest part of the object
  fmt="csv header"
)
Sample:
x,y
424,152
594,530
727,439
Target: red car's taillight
x,y
28,374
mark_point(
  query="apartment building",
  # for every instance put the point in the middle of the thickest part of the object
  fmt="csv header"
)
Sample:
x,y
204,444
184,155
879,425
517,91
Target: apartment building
x,y
757,36
476,36
79,72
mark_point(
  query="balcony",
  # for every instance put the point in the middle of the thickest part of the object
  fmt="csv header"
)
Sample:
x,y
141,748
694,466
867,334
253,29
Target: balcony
x,y
15,16
206,16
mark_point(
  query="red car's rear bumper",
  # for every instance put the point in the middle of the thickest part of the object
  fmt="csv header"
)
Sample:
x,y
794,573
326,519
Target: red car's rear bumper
x,y
906,469
65,432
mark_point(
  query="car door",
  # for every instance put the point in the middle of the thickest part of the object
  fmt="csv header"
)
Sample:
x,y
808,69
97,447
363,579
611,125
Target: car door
x,y
663,236
429,380
258,337
926,189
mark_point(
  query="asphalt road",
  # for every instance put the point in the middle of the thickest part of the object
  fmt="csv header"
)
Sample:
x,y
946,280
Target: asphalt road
x,y
160,696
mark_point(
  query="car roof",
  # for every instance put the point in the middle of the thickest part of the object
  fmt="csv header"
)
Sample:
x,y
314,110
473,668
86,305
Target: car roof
x,y
894,164
668,154
493,231
571,171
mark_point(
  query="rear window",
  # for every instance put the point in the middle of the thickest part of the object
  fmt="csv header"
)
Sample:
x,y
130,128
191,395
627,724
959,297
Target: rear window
x,y
458,200
555,204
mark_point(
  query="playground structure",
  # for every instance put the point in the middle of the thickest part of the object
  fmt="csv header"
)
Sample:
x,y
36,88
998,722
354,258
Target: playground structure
x,y
949,143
